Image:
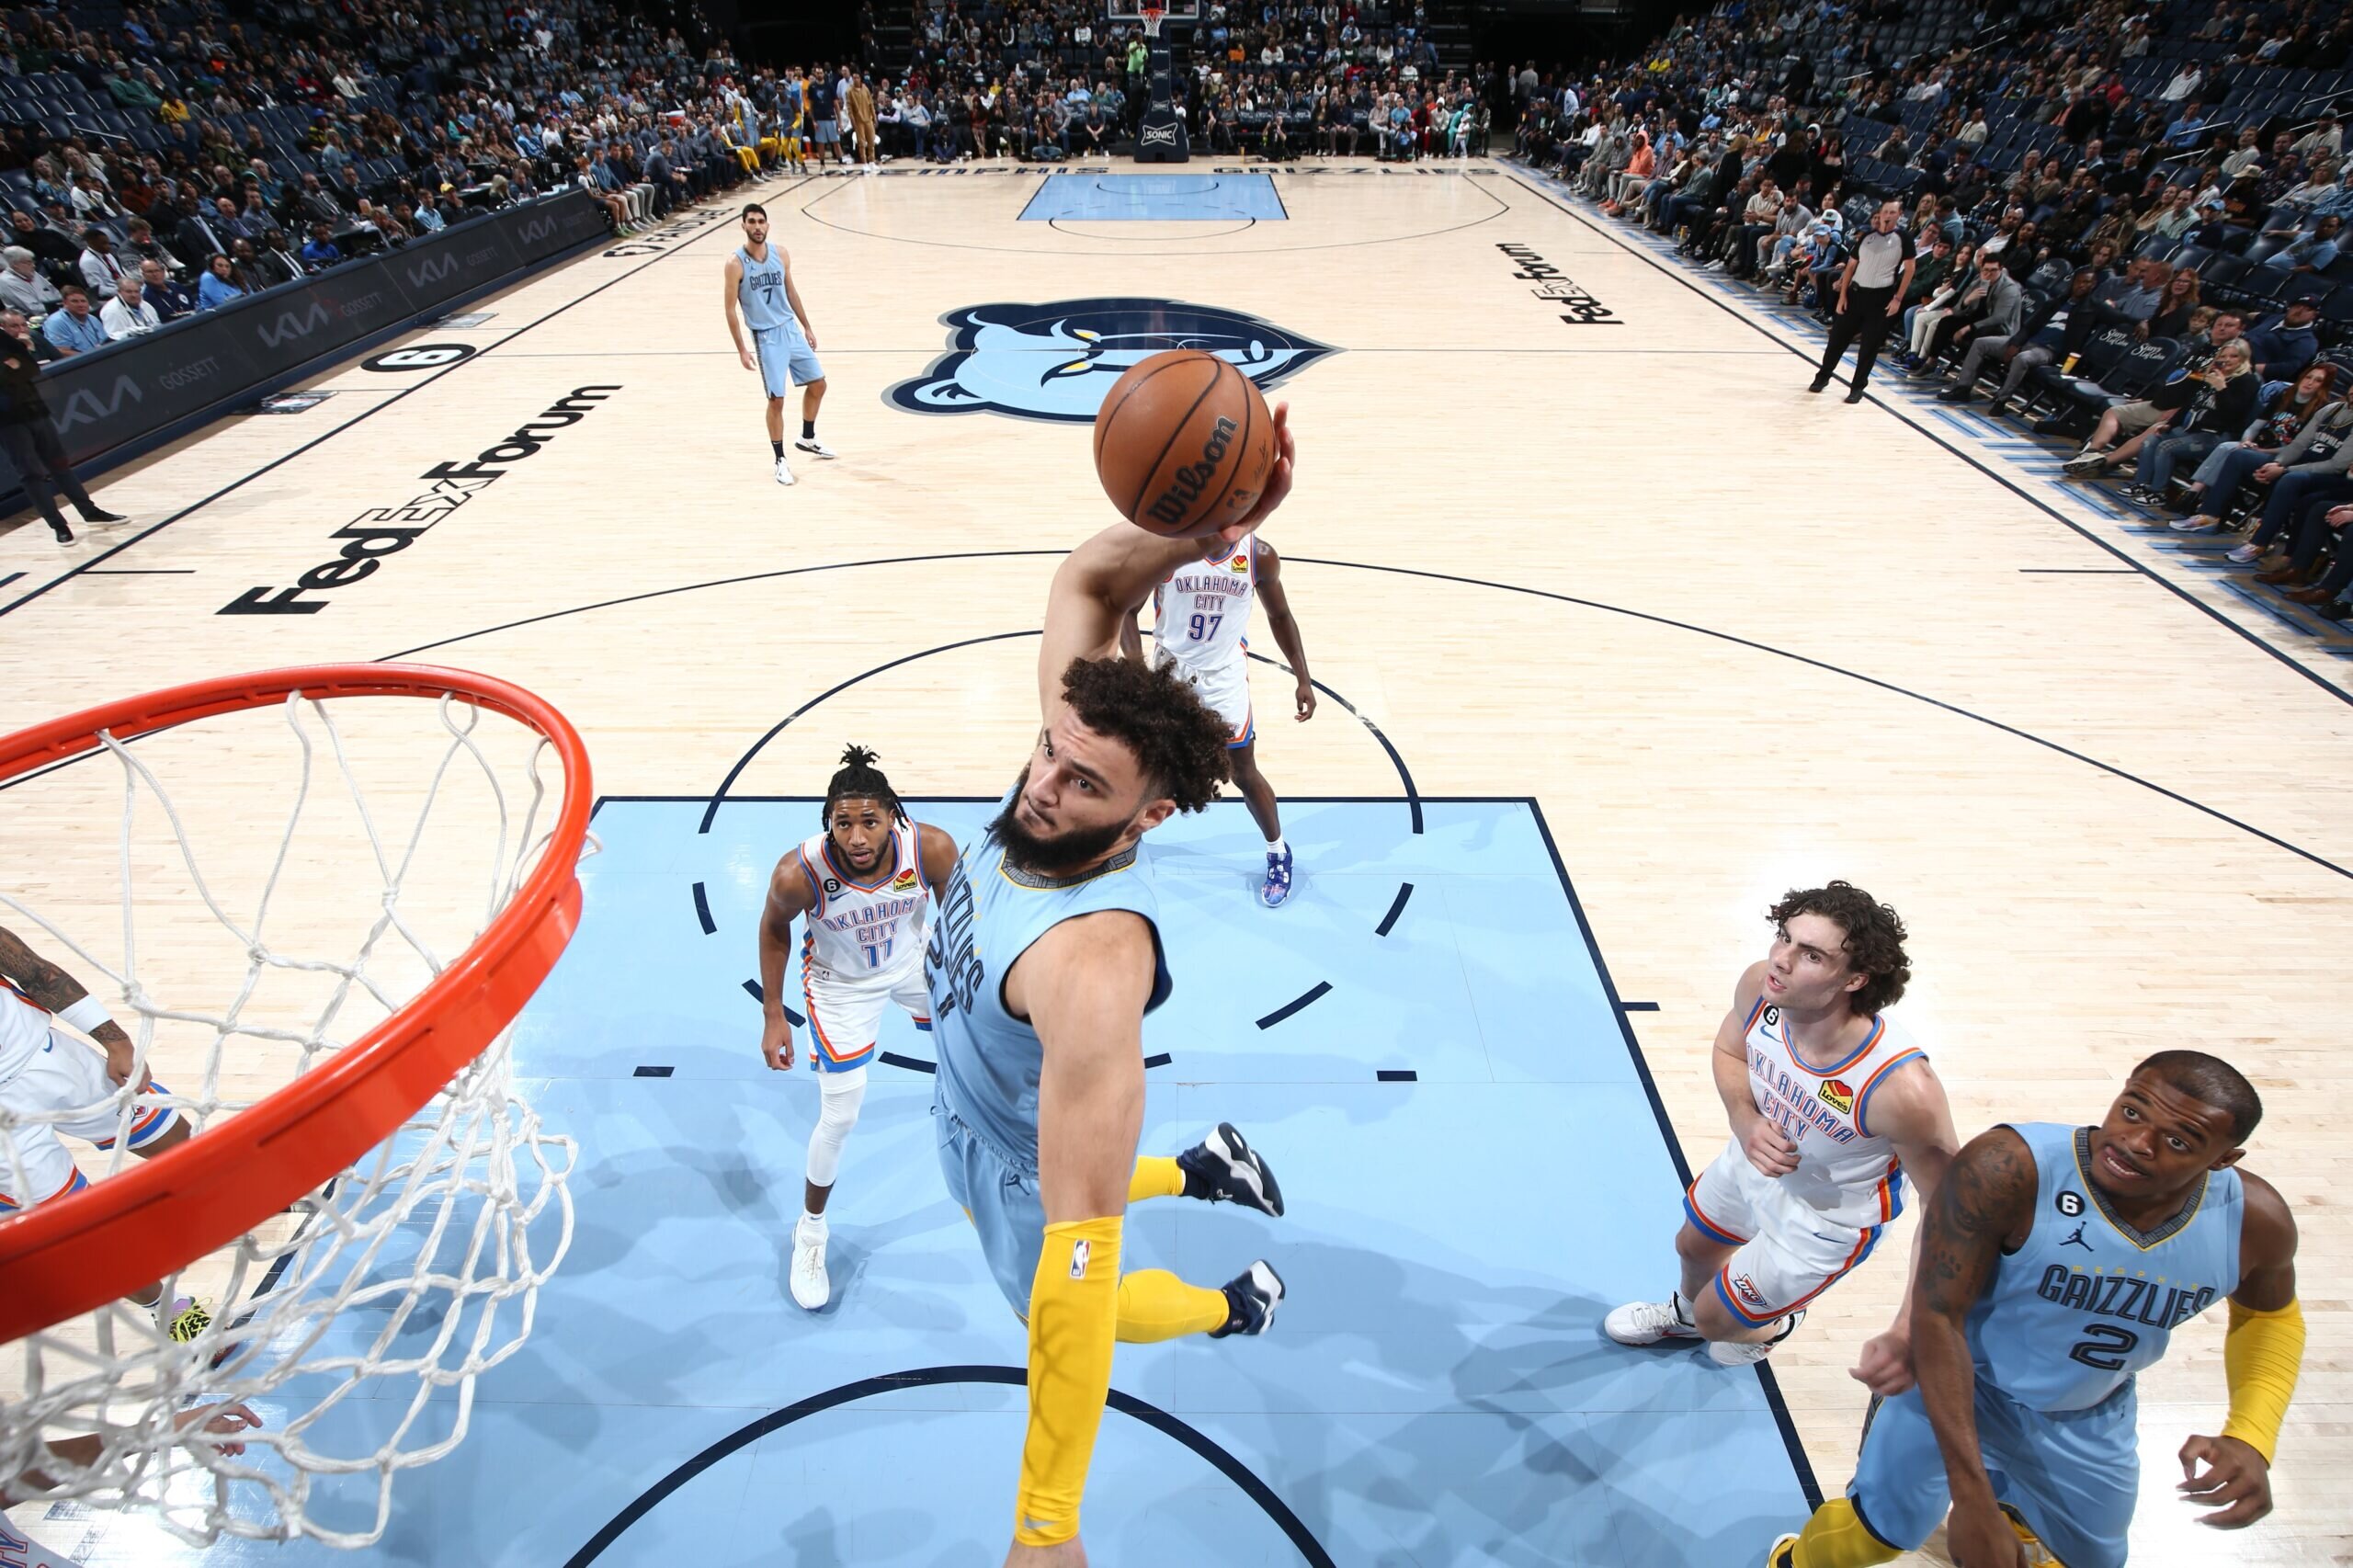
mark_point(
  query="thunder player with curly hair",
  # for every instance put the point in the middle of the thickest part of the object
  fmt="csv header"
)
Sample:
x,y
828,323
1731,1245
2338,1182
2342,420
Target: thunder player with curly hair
x,y
1832,1108
861,889
1044,959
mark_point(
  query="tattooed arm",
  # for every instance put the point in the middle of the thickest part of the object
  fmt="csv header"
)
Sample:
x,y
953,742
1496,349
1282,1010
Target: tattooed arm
x,y
51,988
1982,1208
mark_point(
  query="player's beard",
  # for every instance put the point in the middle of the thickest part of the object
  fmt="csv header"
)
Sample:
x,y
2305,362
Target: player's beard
x,y
1050,854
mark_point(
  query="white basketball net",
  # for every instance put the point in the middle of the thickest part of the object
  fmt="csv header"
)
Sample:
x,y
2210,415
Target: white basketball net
x,y
1151,16
356,1323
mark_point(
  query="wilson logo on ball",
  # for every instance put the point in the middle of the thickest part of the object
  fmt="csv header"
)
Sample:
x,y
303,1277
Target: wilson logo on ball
x,y
1177,502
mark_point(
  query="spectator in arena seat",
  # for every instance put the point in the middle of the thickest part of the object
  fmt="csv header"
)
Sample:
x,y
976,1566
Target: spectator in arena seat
x,y
101,268
23,286
2311,472
2311,251
140,243
2284,346
129,315
219,283
2022,350
171,301
76,328
320,251
49,247
2214,489
2136,420
2220,408
1990,304
2175,306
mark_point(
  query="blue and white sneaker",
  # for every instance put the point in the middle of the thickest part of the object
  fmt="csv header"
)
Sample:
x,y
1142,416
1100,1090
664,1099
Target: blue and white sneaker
x,y
1277,887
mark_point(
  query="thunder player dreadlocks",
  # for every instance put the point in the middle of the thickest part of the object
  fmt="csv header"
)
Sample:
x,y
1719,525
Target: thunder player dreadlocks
x,y
863,883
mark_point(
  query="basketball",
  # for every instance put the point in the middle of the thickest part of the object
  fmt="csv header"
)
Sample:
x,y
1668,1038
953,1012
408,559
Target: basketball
x,y
1184,443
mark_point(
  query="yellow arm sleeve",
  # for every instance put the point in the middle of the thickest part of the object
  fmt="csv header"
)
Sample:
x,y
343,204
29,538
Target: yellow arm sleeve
x,y
1073,1321
2262,1353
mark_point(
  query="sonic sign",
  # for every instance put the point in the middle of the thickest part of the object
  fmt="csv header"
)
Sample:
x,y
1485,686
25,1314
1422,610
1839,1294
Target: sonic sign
x,y
1055,360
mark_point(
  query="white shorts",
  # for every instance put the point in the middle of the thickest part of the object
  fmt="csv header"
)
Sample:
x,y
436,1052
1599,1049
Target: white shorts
x,y
1226,688
1788,1253
66,1077
845,1017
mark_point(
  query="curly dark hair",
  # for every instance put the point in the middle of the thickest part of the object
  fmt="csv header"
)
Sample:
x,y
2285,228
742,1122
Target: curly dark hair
x,y
1177,741
1874,939
860,779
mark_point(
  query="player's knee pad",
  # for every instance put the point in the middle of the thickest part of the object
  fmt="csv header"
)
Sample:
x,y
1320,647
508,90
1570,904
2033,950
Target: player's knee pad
x,y
840,1096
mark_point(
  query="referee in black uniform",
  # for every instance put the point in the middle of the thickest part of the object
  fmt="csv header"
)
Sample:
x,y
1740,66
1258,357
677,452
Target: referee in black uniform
x,y
1871,293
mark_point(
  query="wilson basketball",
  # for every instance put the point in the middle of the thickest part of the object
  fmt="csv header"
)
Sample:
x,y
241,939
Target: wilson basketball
x,y
1184,443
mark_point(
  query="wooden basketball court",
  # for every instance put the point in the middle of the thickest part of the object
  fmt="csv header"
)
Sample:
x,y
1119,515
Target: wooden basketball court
x,y
1567,528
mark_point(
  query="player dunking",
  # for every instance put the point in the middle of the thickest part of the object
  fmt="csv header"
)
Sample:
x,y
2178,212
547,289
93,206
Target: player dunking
x,y
1201,630
783,348
2027,1348
1044,959
43,1069
1831,1108
862,886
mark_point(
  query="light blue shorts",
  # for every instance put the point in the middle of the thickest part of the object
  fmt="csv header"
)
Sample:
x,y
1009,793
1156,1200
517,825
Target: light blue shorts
x,y
1004,1202
786,359
2074,1475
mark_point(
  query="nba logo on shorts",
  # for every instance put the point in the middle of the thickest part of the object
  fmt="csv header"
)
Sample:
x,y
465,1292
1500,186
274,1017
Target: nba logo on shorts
x,y
1078,1252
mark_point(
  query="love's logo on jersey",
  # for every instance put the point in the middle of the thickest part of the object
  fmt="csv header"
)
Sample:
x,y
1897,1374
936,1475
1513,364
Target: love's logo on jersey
x,y
1835,1094
1055,360
903,883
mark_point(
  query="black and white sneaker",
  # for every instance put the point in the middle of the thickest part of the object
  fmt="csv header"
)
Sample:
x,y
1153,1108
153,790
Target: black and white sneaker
x,y
1223,1168
1251,1298
815,449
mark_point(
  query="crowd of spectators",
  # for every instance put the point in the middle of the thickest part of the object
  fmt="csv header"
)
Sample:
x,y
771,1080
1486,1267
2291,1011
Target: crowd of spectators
x,y
2123,219
1282,79
156,161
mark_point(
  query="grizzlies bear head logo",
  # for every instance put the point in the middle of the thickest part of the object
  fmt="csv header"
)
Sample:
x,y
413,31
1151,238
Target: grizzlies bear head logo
x,y
1055,360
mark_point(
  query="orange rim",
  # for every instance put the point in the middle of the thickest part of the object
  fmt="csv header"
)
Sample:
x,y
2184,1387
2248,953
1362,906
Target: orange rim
x,y
73,1256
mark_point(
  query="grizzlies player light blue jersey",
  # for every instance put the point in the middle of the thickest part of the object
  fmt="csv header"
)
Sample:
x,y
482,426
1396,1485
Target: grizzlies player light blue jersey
x,y
761,292
2089,1300
989,1059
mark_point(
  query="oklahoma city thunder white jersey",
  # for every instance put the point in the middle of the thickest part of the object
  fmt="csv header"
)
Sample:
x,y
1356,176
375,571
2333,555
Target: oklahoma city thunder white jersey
x,y
864,932
1204,608
1845,1172
24,1030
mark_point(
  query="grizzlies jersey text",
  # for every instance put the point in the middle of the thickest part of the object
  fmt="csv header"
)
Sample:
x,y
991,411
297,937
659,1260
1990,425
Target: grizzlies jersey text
x,y
2087,1301
1204,608
761,291
989,1059
862,931
1845,1172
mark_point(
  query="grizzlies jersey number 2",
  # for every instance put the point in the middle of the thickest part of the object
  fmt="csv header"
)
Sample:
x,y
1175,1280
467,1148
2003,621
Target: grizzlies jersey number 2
x,y
2088,1300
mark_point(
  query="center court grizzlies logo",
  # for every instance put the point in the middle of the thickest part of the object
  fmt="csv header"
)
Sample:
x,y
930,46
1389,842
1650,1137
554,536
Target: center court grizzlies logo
x,y
1056,360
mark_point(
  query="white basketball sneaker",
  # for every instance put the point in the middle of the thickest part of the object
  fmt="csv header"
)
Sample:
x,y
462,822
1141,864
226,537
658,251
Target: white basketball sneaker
x,y
1727,1353
1647,1323
811,1286
815,448
783,471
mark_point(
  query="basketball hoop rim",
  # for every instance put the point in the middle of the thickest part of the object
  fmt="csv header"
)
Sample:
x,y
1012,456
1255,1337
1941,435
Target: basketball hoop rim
x,y
74,1253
